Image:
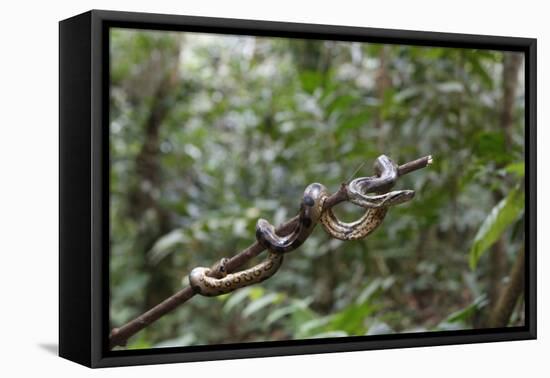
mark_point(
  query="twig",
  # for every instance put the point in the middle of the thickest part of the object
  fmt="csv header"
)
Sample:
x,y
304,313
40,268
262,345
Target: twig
x,y
119,336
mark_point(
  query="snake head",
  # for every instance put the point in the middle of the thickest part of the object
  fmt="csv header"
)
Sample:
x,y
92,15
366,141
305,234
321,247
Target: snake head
x,y
312,203
398,196
218,270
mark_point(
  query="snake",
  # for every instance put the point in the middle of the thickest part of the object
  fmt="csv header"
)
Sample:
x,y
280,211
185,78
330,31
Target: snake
x,y
311,208
369,221
376,205
215,281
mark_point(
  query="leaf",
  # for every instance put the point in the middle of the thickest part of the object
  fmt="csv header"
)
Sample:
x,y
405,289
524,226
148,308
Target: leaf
x,y
167,244
256,293
310,80
491,147
358,120
236,298
517,169
302,316
450,86
466,313
368,291
313,326
498,220
260,303
479,70
341,102
279,313
407,93
352,319
373,287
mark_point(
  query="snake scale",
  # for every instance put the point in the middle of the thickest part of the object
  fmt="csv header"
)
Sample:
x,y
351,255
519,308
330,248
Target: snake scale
x,y
215,281
310,212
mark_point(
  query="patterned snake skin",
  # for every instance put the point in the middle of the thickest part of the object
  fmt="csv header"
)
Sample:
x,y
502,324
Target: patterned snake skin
x,y
310,212
215,281
376,205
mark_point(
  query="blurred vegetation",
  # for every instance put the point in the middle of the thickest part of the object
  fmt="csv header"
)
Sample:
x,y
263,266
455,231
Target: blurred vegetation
x,y
210,132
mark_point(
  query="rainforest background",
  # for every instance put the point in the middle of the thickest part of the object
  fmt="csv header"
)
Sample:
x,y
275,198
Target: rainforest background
x,y
209,132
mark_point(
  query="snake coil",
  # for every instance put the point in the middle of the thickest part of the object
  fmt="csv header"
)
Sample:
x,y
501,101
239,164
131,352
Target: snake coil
x,y
311,208
215,281
376,205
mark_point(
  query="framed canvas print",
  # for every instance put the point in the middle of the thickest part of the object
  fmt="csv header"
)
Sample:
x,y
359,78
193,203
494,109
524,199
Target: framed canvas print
x,y
234,188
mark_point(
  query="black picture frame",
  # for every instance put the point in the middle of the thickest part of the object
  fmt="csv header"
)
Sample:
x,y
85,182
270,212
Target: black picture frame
x,y
84,191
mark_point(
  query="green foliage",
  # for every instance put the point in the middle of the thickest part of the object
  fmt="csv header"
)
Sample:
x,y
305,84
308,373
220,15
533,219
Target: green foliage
x,y
516,168
505,213
209,132
261,303
461,318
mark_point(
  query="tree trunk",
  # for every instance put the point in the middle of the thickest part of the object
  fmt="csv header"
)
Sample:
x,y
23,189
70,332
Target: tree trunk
x,y
498,259
510,294
511,65
383,82
153,219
